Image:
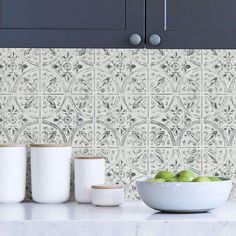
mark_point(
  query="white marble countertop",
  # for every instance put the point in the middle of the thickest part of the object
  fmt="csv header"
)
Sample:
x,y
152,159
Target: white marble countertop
x,y
132,218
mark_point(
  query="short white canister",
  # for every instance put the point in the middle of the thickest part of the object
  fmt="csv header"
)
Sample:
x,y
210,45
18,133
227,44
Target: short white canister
x,y
13,160
50,172
107,195
88,171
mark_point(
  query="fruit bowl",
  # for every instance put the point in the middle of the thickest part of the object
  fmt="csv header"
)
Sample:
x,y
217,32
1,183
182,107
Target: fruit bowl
x,y
184,196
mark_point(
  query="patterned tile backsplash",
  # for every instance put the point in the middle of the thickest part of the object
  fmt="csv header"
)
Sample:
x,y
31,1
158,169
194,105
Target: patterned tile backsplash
x,y
144,110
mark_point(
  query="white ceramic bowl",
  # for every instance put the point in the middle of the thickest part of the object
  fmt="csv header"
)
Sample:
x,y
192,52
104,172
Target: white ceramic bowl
x,y
184,196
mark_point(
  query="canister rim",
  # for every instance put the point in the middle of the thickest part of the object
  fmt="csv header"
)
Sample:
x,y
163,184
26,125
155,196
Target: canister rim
x,y
50,145
89,157
107,186
12,145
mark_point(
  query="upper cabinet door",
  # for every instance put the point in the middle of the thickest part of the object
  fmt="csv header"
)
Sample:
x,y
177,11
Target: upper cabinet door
x,y
72,23
191,24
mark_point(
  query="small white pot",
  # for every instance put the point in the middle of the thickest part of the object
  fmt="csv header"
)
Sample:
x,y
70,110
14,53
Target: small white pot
x,y
88,171
107,195
13,159
50,172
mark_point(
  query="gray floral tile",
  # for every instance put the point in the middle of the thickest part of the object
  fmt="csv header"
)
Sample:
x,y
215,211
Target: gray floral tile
x,y
159,158
159,83
105,105
190,83
51,83
216,161
225,118
176,65
192,105
83,152
51,133
49,55
15,69
83,83
83,136
143,110
28,83
136,136
138,55
136,83
224,65
120,65
214,83
159,105
191,136
66,65
17,113
120,112
118,171
137,105
213,135
32,55
157,56
105,135
85,55
136,158
106,84
30,133
213,105
63,113
191,159
104,56
176,118
159,135
210,57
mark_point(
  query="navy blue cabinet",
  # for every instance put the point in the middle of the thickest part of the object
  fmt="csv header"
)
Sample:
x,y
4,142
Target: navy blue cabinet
x,y
118,23
72,23
191,23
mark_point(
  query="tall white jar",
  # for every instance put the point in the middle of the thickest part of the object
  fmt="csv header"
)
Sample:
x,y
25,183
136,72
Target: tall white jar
x,y
88,171
13,160
50,172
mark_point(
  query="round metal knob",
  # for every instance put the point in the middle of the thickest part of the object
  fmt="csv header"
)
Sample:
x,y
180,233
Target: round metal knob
x,y
135,39
155,40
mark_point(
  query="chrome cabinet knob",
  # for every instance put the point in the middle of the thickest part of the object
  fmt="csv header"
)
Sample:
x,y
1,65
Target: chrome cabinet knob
x,y
135,39
155,40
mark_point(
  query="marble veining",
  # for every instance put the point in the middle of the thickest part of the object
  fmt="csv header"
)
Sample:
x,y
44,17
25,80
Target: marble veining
x,y
131,219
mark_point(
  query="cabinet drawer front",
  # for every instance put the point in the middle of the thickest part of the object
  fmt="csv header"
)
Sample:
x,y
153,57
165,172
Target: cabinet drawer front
x,y
62,14
183,24
72,23
200,15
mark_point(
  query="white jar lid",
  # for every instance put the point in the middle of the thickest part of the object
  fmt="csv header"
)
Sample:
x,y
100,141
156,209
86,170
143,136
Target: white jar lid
x,y
89,157
12,145
50,145
107,195
105,186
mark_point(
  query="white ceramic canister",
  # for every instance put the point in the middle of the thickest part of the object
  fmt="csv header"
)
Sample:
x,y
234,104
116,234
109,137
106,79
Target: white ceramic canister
x,y
13,160
50,172
107,195
88,171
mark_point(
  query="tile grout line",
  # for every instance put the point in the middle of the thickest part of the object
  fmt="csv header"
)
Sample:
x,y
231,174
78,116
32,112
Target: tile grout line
x,y
94,103
148,118
40,95
202,113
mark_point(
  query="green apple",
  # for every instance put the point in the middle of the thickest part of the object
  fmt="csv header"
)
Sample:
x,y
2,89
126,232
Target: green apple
x,y
155,180
214,178
184,178
187,174
172,180
201,179
164,174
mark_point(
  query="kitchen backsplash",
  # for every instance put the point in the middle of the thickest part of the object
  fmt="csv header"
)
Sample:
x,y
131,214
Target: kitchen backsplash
x,y
144,110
